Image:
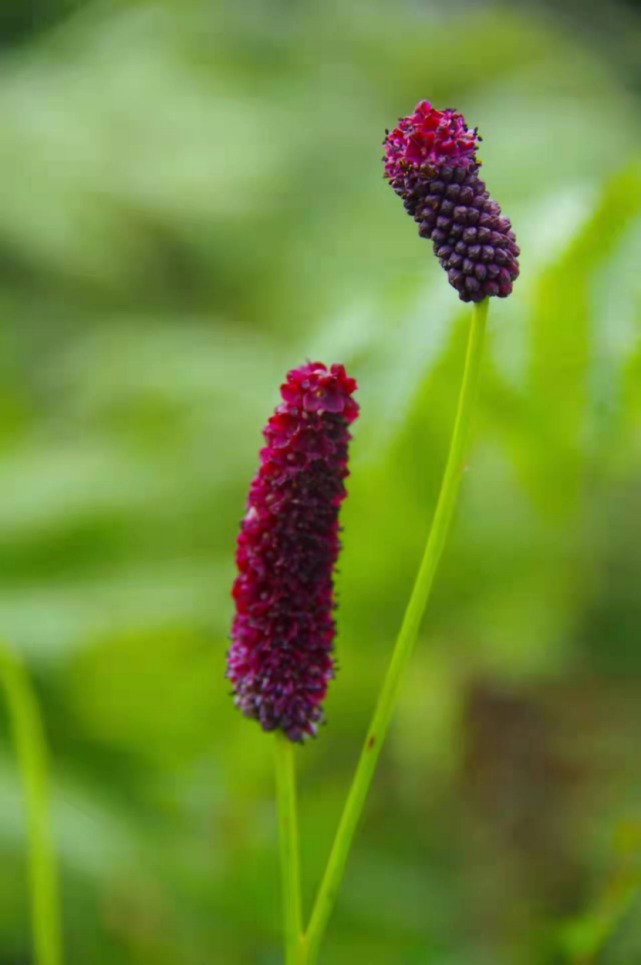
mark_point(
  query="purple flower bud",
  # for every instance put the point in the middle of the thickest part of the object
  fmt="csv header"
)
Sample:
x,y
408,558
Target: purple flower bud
x,y
280,660
430,161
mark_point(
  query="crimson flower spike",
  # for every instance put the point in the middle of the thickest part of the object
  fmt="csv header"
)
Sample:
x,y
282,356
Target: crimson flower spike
x,y
280,660
430,161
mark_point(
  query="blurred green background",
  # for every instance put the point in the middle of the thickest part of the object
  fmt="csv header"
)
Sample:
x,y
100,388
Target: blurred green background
x,y
191,202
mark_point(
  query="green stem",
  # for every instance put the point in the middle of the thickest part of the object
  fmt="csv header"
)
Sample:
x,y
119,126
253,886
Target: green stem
x,y
32,756
288,835
404,644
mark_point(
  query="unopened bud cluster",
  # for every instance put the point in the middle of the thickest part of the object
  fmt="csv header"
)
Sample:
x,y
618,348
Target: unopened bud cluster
x,y
430,162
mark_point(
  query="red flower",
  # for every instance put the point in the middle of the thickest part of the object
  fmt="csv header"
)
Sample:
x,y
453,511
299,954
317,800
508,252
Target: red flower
x,y
430,161
280,660
428,136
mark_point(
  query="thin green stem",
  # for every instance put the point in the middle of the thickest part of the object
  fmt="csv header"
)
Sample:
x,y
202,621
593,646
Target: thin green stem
x,y
404,644
32,756
289,856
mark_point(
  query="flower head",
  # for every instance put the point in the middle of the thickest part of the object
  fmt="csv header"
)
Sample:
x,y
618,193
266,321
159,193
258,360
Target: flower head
x,y
280,660
430,161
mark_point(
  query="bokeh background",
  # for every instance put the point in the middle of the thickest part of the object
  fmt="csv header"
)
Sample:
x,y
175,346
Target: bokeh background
x,y
191,202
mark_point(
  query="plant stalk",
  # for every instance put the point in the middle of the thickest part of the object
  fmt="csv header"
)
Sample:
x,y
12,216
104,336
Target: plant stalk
x,y
31,749
404,644
289,853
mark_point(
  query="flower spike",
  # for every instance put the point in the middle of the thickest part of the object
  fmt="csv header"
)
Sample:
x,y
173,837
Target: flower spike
x,y
430,162
280,660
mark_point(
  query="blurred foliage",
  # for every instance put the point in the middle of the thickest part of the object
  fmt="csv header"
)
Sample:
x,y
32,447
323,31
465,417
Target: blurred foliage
x,y
191,203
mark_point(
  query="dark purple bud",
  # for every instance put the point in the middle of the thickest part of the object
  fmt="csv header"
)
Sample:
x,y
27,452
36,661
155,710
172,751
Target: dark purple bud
x,y
280,660
430,161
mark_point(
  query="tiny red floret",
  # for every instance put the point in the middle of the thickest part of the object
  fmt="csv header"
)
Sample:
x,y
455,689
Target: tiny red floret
x,y
280,660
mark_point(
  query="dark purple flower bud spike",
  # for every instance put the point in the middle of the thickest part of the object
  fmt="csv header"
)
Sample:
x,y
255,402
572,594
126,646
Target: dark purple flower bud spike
x,y
280,660
430,161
